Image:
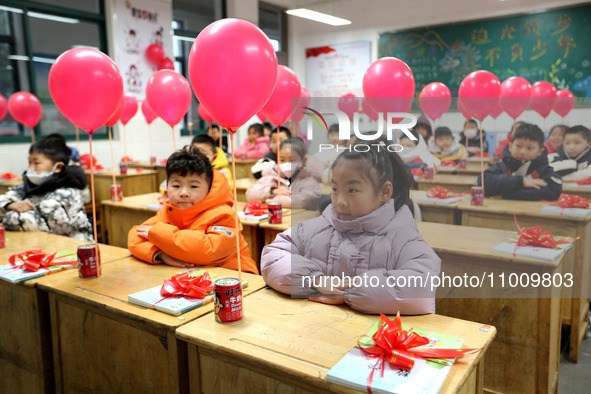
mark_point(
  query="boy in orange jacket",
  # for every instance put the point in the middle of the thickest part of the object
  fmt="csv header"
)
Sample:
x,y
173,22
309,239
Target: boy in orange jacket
x,y
196,225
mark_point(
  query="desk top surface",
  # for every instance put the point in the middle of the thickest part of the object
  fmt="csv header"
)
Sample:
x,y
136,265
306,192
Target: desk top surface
x,y
297,216
131,172
450,179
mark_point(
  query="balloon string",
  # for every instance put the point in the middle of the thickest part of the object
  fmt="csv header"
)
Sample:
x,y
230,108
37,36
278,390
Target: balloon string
x,y
278,169
173,139
220,139
124,141
481,159
92,194
236,213
151,146
112,158
33,134
78,138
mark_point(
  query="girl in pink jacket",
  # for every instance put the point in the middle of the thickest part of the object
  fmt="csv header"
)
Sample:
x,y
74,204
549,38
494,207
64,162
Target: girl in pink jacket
x,y
256,145
364,250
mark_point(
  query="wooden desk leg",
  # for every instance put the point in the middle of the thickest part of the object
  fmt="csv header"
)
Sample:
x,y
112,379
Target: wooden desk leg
x,y
195,368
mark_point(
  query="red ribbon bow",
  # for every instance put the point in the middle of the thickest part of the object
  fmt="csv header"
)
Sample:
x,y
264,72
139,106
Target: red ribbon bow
x,y
535,236
8,176
396,346
188,286
586,181
32,260
442,193
572,201
255,208
417,172
449,163
482,154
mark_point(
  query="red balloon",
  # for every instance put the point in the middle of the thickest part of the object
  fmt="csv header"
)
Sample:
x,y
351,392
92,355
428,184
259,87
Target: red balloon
x,y
148,112
2,107
169,95
565,101
86,86
129,107
261,116
389,85
480,92
155,53
166,64
349,104
368,110
279,106
543,97
435,100
305,101
496,112
25,108
117,115
203,114
515,96
236,85
463,109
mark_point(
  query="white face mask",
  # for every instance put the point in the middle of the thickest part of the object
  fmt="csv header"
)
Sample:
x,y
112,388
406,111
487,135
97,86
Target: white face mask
x,y
470,133
285,169
37,177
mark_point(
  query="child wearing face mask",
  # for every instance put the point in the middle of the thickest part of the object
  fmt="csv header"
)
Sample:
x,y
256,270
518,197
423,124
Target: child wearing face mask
x,y
573,159
470,138
297,189
49,199
367,233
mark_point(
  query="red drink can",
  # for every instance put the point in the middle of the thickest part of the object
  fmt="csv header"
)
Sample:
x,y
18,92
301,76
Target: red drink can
x,y
228,300
428,173
477,195
2,237
116,193
275,213
123,168
463,163
153,160
89,262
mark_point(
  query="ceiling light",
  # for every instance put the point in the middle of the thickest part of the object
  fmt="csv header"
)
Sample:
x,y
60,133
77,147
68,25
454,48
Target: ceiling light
x,y
184,38
52,17
18,57
318,17
10,9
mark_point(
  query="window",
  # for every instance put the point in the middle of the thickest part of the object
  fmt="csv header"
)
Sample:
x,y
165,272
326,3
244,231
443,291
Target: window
x,y
273,22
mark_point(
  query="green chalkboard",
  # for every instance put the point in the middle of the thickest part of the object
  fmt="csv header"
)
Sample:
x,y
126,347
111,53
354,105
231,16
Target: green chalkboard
x,y
552,46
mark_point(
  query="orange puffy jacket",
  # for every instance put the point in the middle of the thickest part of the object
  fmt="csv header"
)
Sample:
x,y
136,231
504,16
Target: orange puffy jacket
x,y
203,234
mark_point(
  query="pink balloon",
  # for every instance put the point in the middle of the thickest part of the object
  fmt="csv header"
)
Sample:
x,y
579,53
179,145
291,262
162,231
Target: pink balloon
x,y
368,110
565,101
435,100
129,107
389,85
496,112
203,114
86,86
279,106
305,101
349,104
155,53
3,107
169,95
543,97
148,112
239,82
112,121
515,96
25,108
480,92
463,109
261,116
166,64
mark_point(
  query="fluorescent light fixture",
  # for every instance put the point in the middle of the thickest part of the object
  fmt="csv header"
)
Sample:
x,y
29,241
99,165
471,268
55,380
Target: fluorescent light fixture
x,y
85,46
318,17
52,17
275,44
43,60
18,57
10,9
184,38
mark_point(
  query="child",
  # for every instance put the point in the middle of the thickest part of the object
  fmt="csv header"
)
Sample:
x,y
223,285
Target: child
x,y
367,232
524,173
49,199
215,154
573,159
445,147
423,129
498,154
215,132
196,226
284,134
555,137
471,135
297,189
255,146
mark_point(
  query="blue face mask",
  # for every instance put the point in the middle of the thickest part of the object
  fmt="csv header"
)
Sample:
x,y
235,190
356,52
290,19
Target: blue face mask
x,y
38,177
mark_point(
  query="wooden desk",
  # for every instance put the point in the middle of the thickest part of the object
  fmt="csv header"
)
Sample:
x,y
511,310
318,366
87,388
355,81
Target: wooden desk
x,y
241,185
455,183
571,188
528,328
159,168
104,344
26,362
132,184
243,168
297,216
288,345
500,214
472,168
5,185
436,213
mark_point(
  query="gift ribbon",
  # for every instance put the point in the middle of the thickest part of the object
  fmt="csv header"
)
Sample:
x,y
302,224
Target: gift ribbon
x,y
32,260
449,163
8,176
417,172
397,347
535,236
571,201
442,193
586,181
483,154
185,285
255,208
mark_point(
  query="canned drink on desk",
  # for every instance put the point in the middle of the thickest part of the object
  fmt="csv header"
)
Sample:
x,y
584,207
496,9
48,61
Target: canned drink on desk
x,y
463,163
228,300
123,168
89,261
477,195
2,237
153,160
429,172
116,193
275,213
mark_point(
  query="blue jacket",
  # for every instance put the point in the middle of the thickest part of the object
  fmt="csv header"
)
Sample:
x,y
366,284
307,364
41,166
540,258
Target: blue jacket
x,y
500,181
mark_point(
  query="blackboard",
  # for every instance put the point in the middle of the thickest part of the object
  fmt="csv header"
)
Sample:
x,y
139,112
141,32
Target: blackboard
x,y
552,46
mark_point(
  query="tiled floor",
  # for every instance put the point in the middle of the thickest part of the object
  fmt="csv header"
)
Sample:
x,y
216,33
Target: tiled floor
x,y
576,378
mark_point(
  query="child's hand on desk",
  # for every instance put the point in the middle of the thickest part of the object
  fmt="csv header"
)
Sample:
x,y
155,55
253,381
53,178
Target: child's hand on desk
x,y
143,231
329,300
534,183
20,207
281,191
169,260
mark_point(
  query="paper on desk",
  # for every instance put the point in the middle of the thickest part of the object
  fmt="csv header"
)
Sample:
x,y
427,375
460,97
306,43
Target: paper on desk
x,y
532,252
444,201
576,212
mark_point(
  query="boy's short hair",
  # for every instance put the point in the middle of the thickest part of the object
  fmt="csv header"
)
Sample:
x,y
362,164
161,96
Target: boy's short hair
x,y
257,127
442,132
54,147
334,128
204,139
214,126
579,129
189,161
529,132
285,130
297,145
425,126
